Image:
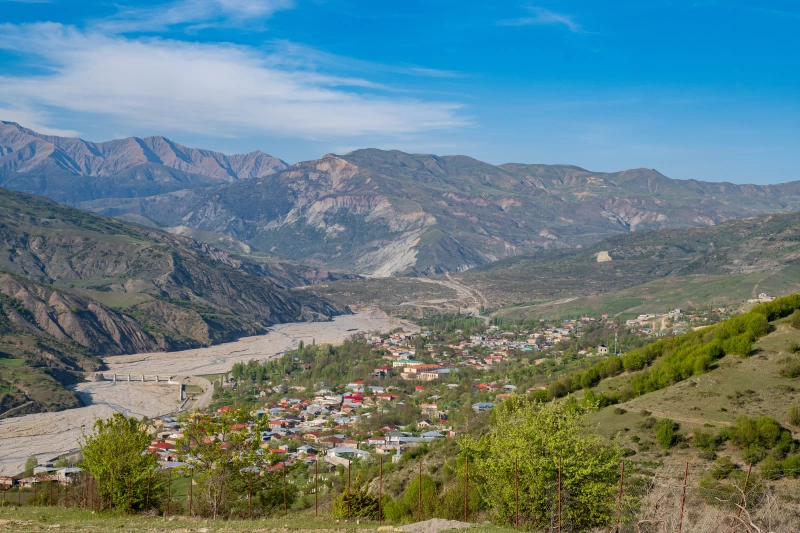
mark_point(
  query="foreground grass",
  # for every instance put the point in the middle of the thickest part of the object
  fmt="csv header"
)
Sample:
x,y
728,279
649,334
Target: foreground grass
x,y
27,519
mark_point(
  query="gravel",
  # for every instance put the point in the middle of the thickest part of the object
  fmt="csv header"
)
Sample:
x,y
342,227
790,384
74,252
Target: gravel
x,y
435,525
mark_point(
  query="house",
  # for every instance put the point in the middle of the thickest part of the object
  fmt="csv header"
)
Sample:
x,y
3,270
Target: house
x,y
482,406
6,482
602,349
382,372
342,455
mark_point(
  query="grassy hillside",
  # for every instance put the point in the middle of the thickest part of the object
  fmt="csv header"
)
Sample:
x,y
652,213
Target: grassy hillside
x,y
74,286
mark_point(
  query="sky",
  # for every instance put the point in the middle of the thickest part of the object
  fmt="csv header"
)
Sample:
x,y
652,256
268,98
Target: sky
x,y
696,89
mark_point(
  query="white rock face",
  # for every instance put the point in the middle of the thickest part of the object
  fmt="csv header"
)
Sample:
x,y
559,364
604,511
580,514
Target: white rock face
x,y
603,257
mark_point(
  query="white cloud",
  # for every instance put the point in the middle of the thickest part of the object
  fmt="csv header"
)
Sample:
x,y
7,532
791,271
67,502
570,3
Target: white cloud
x,y
33,120
195,13
542,16
214,89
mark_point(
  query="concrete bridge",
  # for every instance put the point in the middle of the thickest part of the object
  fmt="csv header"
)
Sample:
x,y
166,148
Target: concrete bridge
x,y
99,376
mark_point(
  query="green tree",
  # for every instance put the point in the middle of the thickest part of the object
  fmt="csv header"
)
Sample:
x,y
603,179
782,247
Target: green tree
x,y
358,503
428,499
30,463
114,455
666,433
534,436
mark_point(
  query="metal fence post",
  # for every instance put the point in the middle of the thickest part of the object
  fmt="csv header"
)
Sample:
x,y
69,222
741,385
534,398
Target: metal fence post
x,y
285,509
559,494
348,488
249,494
316,487
380,492
147,498
744,498
169,491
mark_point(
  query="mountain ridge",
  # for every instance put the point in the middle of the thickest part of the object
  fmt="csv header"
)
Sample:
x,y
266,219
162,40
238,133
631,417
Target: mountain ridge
x,y
386,212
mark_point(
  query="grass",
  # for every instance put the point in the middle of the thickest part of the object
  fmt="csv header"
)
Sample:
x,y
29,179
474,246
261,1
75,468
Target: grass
x,y
26,519
736,386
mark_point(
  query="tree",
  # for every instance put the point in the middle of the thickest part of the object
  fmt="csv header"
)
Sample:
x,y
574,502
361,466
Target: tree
x,y
665,433
227,464
30,463
535,435
114,455
358,503
429,498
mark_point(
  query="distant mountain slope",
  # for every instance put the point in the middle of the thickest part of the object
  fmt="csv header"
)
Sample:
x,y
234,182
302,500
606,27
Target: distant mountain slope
x,y
767,243
383,213
72,170
75,285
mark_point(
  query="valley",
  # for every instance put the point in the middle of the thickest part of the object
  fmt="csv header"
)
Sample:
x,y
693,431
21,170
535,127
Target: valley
x,y
49,435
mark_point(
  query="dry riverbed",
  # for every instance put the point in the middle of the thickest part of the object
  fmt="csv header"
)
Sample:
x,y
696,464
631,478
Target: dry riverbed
x,y
48,435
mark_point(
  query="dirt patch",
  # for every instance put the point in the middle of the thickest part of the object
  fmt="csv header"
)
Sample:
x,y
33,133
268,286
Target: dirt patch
x,y
435,525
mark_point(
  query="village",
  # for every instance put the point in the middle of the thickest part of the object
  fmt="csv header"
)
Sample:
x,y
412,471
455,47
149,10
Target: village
x,y
411,389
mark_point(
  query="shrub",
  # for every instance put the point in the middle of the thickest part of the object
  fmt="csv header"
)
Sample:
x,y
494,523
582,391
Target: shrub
x,y
791,466
619,411
705,440
794,415
794,319
357,504
770,468
395,510
791,369
665,433
722,468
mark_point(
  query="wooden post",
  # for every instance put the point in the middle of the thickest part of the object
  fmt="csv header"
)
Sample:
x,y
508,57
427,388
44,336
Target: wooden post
x,y
348,488
34,488
619,496
169,490
559,494
380,492
466,487
285,510
516,490
129,496
249,494
147,498
111,503
316,487
19,495
744,498
683,497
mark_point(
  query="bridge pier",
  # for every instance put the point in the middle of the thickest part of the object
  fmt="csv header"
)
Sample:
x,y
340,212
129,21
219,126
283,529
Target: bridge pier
x,y
114,378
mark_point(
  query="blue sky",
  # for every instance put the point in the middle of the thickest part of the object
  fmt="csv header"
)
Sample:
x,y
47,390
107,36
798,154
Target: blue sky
x,y
695,89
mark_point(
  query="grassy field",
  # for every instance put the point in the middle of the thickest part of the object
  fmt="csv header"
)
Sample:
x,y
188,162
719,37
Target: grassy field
x,y
26,519
665,293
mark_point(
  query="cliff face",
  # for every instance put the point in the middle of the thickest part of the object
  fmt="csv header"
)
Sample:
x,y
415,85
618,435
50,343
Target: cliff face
x,y
369,211
385,213
74,286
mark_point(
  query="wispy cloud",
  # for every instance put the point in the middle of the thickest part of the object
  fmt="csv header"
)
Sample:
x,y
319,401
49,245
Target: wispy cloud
x,y
195,14
210,88
542,16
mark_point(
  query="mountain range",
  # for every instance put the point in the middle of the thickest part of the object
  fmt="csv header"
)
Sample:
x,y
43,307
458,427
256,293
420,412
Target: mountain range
x,y
75,286
370,211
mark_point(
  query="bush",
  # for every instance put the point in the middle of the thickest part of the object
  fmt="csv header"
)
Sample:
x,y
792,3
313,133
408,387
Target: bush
x,y
770,468
794,415
791,369
665,433
619,411
722,468
794,320
395,510
791,466
705,440
357,504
